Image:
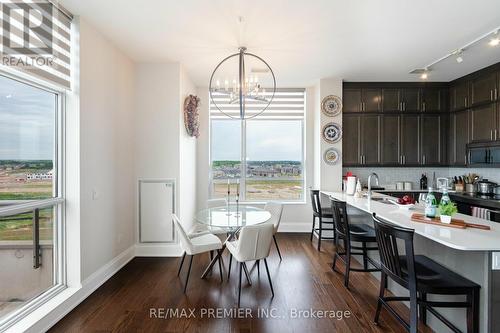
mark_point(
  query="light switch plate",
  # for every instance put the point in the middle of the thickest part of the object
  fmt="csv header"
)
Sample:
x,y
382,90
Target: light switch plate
x,y
495,261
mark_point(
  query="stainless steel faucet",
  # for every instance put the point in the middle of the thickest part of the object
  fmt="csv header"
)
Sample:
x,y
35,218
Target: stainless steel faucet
x,y
370,184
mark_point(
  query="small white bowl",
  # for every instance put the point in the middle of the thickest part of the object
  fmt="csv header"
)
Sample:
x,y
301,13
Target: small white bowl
x,y
407,206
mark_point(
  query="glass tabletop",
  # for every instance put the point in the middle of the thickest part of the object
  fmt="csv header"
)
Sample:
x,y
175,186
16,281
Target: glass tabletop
x,y
232,217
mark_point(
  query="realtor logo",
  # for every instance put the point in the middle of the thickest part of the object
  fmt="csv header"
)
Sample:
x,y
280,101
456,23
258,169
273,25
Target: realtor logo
x,y
27,33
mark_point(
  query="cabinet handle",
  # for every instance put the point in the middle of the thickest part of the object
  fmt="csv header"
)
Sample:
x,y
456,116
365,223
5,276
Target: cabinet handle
x,y
496,93
465,101
491,94
423,159
491,135
423,106
364,106
495,135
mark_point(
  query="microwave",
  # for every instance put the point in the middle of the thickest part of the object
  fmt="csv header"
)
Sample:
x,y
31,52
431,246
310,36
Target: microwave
x,y
483,154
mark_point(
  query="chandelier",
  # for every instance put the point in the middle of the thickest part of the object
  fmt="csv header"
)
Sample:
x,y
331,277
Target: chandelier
x,y
238,94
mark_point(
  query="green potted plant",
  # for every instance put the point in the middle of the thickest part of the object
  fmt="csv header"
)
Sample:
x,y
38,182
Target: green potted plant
x,y
446,211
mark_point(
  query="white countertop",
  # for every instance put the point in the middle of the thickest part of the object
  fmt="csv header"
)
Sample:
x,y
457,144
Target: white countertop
x,y
461,239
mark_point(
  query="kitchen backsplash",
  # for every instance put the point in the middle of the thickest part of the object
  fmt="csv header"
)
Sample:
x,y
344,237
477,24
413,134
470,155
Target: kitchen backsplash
x,y
389,176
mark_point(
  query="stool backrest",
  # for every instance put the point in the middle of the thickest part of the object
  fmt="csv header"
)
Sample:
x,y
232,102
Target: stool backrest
x,y
400,267
254,242
316,201
340,218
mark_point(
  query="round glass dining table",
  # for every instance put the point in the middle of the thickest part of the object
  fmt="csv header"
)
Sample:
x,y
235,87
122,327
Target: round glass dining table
x,y
232,217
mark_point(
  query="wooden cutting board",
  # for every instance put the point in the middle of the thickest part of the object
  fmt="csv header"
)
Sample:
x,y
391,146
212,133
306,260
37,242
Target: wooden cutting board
x,y
455,223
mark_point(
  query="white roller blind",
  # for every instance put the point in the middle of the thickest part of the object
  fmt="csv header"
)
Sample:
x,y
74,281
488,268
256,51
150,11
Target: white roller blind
x,y
288,103
40,31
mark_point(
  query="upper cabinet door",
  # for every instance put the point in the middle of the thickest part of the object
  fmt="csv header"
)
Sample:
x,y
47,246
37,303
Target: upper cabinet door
x,y
431,140
371,100
432,100
370,139
483,88
351,153
483,121
411,99
460,135
459,96
390,133
352,100
410,139
391,100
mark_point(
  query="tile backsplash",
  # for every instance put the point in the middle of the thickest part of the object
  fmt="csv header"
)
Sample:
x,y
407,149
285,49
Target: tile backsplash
x,y
389,176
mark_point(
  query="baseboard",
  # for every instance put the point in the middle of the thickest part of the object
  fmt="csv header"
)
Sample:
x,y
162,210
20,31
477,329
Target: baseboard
x,y
158,250
89,285
295,227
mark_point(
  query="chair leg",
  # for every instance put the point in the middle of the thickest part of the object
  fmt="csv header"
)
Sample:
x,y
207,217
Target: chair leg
x,y
269,277
422,309
413,311
277,247
336,242
182,262
239,285
258,267
383,280
319,233
189,272
247,274
314,225
473,311
230,262
220,269
365,256
347,248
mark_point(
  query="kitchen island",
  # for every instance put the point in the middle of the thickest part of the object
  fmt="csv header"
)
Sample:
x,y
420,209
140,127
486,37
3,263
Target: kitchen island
x,y
469,252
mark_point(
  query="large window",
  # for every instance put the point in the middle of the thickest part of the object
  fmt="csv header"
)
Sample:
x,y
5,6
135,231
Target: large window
x,y
30,196
267,150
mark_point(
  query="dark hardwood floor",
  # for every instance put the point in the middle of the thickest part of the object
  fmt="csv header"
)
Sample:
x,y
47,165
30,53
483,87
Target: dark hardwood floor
x,y
304,280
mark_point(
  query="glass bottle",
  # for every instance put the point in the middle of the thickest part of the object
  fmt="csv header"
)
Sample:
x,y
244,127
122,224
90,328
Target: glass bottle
x,y
430,204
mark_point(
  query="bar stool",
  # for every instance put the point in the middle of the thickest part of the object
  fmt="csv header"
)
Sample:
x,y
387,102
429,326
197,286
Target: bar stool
x,y
421,276
321,214
361,233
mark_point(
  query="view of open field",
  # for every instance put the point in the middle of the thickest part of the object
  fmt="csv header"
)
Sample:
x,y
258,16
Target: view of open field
x,y
25,180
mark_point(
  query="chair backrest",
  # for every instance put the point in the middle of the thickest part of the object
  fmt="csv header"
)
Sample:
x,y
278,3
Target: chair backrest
x,y
211,203
183,237
276,210
388,234
316,201
254,242
340,218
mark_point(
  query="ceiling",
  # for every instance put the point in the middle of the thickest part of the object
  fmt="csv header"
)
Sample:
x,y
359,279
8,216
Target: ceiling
x,y
371,40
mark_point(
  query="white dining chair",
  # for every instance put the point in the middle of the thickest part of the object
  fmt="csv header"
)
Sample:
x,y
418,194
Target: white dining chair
x,y
276,210
199,230
196,245
253,243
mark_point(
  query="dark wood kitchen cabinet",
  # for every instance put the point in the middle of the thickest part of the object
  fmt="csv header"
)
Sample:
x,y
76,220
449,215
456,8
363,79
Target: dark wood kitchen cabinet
x,y
362,100
390,136
431,144
483,123
433,100
410,99
361,140
351,100
370,140
459,95
391,101
459,134
351,152
410,139
483,88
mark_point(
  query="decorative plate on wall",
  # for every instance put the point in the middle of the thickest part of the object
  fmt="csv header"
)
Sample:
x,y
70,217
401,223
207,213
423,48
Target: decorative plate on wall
x,y
331,156
332,132
331,105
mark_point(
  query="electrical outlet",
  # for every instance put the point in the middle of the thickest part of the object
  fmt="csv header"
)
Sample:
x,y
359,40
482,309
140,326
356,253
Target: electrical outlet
x,y
495,261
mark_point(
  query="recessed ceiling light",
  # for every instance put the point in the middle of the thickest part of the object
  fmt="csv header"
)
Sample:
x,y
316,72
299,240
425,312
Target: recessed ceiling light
x,y
424,76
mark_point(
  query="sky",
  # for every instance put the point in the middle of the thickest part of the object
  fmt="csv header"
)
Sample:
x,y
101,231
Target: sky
x,y
27,121
266,140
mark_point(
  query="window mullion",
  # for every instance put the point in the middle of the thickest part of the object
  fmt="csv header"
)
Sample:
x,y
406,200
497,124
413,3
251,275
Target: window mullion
x,y
243,159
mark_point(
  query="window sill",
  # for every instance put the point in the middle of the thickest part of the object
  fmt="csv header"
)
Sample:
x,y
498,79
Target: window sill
x,y
43,317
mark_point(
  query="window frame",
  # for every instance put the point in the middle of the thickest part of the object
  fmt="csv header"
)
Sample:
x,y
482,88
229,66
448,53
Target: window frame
x,y
57,202
243,157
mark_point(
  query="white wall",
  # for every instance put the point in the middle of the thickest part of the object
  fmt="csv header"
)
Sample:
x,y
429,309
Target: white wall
x,y
106,150
187,151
